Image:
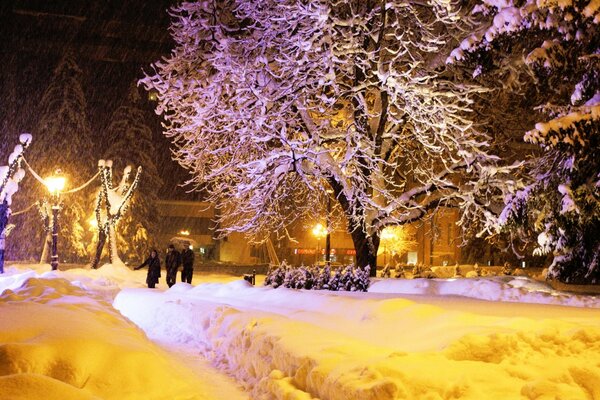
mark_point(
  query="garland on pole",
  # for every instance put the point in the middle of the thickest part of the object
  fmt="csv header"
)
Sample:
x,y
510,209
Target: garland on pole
x,y
10,176
111,204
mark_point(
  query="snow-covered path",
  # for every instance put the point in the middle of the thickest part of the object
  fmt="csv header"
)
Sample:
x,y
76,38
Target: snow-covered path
x,y
296,344
216,384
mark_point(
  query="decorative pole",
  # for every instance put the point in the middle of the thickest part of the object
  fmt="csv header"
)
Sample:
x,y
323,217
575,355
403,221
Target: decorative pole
x,y
115,201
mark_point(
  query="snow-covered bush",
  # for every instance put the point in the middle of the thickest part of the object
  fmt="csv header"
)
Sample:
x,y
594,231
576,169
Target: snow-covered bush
x,y
353,279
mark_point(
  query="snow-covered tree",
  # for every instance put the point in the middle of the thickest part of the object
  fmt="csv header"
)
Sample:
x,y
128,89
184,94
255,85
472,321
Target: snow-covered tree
x,y
271,103
132,142
552,47
111,205
10,176
63,141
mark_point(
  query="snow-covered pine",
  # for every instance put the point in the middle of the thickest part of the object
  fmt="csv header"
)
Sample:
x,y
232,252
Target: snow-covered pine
x,y
457,271
347,279
111,204
399,272
386,272
417,271
561,67
315,278
322,282
271,103
288,280
10,176
335,282
63,140
276,275
131,141
362,279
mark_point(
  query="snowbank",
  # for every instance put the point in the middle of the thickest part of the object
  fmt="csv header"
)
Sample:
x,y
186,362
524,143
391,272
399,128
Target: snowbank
x,y
498,288
289,344
61,341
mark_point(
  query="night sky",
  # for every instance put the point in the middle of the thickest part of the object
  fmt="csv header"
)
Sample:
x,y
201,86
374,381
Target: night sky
x,y
114,40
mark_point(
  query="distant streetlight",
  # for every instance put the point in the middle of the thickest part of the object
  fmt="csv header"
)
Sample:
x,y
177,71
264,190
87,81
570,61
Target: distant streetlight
x,y
319,231
55,184
184,232
387,236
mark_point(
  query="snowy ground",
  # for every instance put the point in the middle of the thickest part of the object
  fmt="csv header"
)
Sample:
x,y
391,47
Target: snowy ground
x,y
405,339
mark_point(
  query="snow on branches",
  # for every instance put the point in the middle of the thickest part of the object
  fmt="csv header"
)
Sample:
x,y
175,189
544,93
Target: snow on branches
x,y
557,43
270,103
11,174
111,204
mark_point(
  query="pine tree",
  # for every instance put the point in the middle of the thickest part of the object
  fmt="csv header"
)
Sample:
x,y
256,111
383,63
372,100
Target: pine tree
x,y
361,279
336,281
132,144
551,49
63,141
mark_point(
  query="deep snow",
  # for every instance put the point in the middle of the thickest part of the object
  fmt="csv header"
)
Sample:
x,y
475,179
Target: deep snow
x,y
406,339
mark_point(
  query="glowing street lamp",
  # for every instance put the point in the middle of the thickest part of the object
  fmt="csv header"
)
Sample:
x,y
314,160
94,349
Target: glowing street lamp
x,y
387,236
319,231
55,184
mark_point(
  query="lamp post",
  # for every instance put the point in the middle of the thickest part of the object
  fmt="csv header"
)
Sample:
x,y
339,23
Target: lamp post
x,y
55,185
328,229
387,236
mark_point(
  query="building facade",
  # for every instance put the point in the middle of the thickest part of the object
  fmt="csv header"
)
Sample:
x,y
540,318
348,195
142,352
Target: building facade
x,y
436,240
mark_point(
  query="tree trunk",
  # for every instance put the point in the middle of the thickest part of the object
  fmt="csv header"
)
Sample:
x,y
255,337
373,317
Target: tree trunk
x,y
366,250
112,244
366,246
99,248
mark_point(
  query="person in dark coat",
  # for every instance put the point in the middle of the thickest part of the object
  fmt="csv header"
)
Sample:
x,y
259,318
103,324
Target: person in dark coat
x,y
153,263
172,262
187,260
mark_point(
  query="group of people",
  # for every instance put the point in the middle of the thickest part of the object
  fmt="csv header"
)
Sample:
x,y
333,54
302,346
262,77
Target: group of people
x,y
173,261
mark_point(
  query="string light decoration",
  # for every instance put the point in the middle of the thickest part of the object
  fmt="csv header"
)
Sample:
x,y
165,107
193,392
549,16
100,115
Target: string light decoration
x,y
111,204
10,176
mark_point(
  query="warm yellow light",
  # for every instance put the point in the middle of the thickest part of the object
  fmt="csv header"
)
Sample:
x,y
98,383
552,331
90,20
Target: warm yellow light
x,y
184,232
319,230
55,183
388,234
93,222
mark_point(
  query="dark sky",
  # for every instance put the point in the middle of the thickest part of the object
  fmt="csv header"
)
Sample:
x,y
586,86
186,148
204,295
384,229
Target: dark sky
x,y
114,40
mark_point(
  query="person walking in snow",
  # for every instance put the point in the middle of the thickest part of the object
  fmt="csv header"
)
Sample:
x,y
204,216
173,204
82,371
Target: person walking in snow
x,y
172,262
187,261
153,263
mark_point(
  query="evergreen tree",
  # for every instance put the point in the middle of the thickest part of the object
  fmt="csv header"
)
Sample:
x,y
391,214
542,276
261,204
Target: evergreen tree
x,y
132,144
336,281
63,141
550,48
